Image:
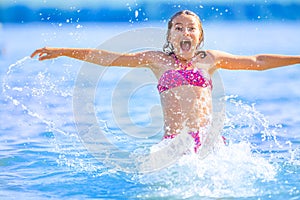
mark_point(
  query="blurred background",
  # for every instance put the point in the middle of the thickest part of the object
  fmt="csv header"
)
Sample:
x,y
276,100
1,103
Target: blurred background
x,y
24,11
21,19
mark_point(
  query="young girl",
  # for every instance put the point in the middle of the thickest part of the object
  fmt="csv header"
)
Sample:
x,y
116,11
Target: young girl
x,y
183,72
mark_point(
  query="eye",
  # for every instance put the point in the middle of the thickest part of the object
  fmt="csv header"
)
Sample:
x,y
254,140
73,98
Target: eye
x,y
178,28
191,29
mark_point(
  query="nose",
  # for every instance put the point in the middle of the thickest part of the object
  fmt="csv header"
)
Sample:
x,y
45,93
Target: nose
x,y
186,31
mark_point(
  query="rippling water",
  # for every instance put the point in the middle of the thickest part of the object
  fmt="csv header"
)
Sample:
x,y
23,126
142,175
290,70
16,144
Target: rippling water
x,y
42,157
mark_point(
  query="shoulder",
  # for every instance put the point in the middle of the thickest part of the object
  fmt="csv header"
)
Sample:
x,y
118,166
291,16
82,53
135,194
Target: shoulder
x,y
211,58
152,57
153,53
217,54
217,58
156,59
147,57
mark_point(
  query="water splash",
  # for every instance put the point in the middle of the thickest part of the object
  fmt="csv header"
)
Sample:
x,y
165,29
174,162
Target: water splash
x,y
231,171
31,87
43,91
236,170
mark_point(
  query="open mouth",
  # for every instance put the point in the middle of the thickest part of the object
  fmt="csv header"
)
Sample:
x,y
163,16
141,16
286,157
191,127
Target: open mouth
x,y
185,45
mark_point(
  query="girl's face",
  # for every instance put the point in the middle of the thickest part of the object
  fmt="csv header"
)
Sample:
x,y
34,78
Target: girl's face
x,y
185,36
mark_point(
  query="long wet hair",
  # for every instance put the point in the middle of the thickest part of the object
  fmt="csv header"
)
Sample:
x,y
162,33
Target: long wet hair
x,y
168,47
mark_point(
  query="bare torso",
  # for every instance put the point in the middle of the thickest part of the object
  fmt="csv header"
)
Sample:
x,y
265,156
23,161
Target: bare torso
x,y
185,108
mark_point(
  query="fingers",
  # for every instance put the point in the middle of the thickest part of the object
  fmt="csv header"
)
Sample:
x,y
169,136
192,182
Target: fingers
x,y
42,53
35,53
45,56
38,51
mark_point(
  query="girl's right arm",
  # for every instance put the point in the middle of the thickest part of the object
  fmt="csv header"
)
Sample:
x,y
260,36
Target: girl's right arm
x,y
99,57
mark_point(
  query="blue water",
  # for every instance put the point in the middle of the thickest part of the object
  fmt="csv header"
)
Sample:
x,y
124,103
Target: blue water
x,y
145,10
42,156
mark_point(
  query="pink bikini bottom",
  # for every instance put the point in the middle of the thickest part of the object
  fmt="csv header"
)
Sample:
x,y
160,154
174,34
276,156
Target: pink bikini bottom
x,y
195,136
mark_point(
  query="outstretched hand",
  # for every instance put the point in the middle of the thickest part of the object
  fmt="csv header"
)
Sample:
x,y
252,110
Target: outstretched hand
x,y
47,53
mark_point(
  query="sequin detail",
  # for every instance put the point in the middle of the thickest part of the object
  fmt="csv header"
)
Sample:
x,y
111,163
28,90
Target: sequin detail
x,y
174,78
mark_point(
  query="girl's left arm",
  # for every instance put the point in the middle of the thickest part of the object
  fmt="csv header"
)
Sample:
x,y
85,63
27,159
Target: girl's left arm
x,y
256,62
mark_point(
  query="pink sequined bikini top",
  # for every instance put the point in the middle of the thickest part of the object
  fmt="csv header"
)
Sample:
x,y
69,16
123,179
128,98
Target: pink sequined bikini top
x,y
174,78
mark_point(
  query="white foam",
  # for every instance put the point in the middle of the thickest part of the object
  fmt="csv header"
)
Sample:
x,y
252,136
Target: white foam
x,y
231,171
